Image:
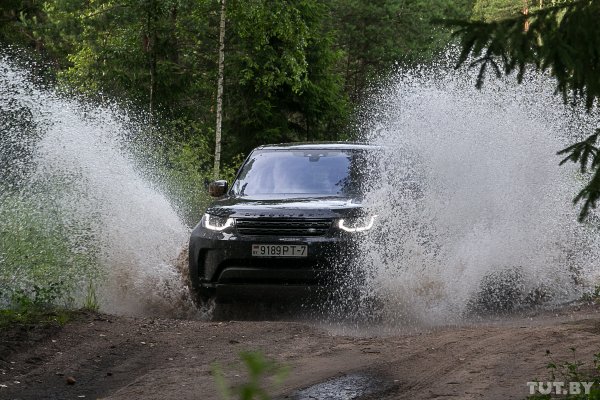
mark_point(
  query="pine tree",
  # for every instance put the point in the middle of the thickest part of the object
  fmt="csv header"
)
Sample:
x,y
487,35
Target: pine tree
x,y
561,39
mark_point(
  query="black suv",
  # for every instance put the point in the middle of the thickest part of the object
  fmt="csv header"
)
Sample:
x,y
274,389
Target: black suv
x,y
287,225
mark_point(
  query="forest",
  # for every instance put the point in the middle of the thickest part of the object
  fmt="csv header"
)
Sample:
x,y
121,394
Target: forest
x,y
110,115
294,70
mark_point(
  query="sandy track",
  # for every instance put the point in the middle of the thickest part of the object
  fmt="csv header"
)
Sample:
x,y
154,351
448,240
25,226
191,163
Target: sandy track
x,y
133,358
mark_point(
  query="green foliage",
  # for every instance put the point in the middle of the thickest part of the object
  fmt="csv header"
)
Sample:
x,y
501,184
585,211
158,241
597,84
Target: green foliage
x,y
162,55
33,316
592,296
177,156
41,264
116,48
493,10
19,22
561,39
573,371
374,36
273,37
37,296
586,154
183,156
281,61
229,170
260,371
91,300
293,69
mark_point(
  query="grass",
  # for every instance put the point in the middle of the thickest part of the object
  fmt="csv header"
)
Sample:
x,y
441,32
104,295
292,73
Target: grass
x,y
592,296
34,316
47,256
568,372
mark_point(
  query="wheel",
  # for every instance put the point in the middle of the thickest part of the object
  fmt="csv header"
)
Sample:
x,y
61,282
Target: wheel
x,y
500,292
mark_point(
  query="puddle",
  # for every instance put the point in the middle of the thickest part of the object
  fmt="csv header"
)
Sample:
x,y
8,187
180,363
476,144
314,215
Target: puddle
x,y
346,387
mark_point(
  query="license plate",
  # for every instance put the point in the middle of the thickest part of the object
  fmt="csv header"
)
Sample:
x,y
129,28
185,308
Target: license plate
x,y
279,250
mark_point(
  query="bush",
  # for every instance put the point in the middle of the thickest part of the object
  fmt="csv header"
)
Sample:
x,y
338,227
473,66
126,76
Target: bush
x,y
47,258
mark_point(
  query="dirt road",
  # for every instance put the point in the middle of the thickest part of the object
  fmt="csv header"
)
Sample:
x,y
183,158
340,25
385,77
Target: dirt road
x,y
118,358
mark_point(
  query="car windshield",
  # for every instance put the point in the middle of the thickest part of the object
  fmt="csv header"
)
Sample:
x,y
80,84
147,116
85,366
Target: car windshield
x,y
302,173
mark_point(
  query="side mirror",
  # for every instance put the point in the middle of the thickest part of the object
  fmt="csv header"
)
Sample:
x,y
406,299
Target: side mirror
x,y
217,188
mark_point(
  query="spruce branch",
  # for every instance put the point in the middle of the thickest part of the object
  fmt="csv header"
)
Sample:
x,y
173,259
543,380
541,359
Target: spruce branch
x,y
562,40
587,154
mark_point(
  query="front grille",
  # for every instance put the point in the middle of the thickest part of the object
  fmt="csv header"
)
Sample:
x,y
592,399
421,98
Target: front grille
x,y
283,227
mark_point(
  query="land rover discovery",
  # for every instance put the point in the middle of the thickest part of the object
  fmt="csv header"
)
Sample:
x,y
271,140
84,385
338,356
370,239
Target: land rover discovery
x,y
287,225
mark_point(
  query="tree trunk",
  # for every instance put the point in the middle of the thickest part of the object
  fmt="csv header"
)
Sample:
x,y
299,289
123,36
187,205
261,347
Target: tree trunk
x,y
220,92
152,39
526,12
174,42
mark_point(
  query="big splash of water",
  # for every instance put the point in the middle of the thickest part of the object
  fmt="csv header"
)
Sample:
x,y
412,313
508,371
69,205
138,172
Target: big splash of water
x,y
59,153
475,212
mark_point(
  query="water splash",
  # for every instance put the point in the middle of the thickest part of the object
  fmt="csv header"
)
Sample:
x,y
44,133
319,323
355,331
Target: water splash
x,y
74,166
474,211
476,215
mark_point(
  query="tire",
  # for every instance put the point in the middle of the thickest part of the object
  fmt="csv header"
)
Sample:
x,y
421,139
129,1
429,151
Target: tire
x,y
500,292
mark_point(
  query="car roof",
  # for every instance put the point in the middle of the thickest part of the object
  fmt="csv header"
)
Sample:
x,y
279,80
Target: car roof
x,y
319,146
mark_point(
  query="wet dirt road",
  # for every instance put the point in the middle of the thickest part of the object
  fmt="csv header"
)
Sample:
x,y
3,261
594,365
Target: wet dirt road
x,y
110,357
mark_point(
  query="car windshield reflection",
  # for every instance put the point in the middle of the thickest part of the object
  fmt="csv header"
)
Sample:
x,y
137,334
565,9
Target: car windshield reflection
x,y
306,173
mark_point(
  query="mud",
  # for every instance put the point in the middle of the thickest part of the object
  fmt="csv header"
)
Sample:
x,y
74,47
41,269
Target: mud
x,y
110,357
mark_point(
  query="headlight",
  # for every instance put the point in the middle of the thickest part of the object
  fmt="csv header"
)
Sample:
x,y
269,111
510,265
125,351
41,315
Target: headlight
x,y
216,223
360,224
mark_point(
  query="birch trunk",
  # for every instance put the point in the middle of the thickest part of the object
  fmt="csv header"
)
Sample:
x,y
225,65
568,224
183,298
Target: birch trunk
x,y
217,166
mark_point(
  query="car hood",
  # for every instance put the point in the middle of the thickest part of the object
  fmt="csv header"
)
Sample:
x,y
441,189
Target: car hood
x,y
274,208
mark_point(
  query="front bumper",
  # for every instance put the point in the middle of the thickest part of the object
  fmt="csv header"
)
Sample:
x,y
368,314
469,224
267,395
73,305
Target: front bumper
x,y
222,264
